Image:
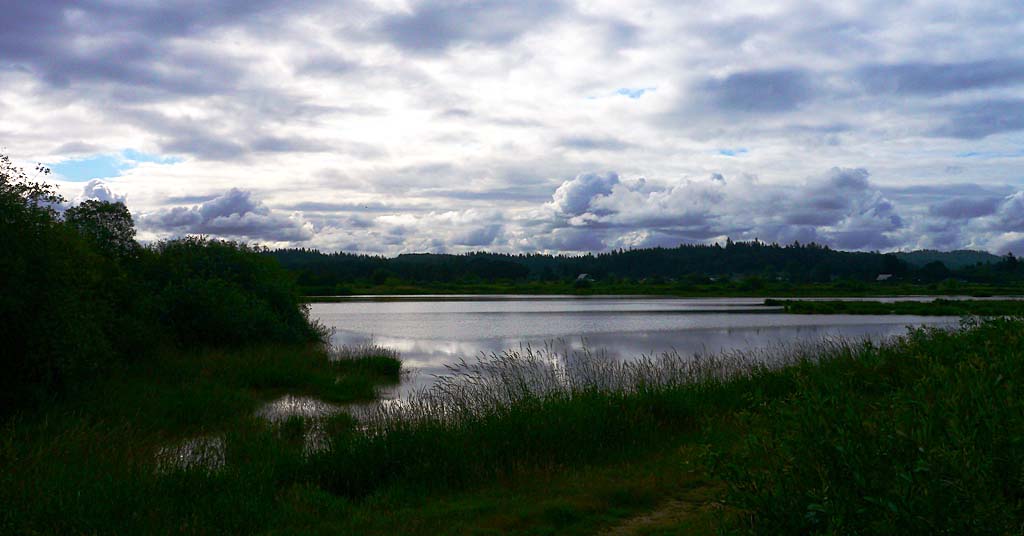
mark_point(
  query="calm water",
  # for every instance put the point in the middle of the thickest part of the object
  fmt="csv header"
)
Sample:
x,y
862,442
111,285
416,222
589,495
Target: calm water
x,y
431,332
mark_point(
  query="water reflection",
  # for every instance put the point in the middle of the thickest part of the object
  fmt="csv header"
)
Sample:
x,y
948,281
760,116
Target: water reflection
x,y
432,333
277,411
313,412
206,452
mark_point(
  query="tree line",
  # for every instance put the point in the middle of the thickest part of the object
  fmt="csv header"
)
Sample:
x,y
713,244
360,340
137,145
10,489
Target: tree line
x,y
696,263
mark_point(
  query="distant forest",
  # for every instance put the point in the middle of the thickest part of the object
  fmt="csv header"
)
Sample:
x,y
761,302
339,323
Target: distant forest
x,y
696,264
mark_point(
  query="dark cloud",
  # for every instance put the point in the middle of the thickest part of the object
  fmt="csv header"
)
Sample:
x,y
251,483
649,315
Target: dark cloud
x,y
126,41
457,113
861,239
281,144
433,26
938,78
357,222
945,191
477,236
845,210
759,91
570,239
512,193
125,59
321,206
830,201
964,208
980,119
621,34
941,234
234,214
204,145
328,65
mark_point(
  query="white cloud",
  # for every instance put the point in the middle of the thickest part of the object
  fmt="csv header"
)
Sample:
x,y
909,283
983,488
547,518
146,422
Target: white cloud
x,y
99,190
399,126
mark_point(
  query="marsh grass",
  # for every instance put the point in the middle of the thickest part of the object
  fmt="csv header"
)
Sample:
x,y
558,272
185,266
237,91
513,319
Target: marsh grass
x,y
381,362
490,419
172,440
915,434
937,307
923,436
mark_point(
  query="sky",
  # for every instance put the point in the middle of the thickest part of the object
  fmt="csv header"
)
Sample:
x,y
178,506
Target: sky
x,y
529,126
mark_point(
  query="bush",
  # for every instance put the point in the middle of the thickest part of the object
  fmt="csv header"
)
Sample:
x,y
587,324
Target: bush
x,y
212,292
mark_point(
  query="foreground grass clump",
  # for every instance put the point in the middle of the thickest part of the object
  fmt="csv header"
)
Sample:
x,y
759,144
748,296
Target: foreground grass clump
x,y
920,437
937,307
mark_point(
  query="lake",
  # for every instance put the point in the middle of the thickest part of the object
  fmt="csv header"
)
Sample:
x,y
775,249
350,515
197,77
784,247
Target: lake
x,y
433,331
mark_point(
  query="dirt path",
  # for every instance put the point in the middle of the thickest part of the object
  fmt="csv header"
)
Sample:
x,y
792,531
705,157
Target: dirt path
x,y
695,513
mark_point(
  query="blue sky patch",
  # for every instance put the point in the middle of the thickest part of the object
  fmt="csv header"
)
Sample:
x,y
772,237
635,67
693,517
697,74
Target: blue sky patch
x,y
106,165
733,152
633,92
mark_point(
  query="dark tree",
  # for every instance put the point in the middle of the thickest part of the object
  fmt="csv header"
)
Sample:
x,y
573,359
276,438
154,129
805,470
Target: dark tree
x,y
109,225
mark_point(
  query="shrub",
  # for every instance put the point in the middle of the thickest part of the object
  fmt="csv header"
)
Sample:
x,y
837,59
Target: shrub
x,y
213,292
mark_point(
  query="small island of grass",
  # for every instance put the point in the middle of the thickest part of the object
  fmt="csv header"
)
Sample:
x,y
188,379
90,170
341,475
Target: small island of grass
x,y
937,307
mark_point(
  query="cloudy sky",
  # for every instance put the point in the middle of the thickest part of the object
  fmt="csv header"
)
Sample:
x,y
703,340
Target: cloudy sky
x,y
398,126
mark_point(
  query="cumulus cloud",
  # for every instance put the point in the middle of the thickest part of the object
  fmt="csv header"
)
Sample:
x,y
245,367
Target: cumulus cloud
x,y
573,197
234,214
856,215
841,207
99,190
1009,216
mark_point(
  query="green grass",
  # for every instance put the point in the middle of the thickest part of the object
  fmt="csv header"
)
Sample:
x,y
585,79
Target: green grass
x,y
88,462
370,360
937,307
915,436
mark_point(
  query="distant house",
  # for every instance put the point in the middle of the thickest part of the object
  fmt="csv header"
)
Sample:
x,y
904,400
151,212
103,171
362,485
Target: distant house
x,y
883,277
